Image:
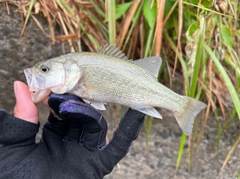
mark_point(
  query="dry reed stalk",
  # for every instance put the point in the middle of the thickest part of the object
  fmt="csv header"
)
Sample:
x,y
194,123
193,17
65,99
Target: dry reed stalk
x,y
6,5
159,27
126,23
170,12
180,24
132,47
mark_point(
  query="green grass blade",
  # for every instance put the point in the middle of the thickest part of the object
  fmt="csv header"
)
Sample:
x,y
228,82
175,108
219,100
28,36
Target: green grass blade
x,y
67,7
150,12
180,151
28,15
226,36
94,40
95,20
111,22
225,77
198,58
207,9
29,10
148,127
122,9
97,8
149,42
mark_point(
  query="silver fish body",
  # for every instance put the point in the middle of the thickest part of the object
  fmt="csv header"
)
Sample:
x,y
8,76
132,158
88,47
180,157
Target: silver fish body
x,y
109,77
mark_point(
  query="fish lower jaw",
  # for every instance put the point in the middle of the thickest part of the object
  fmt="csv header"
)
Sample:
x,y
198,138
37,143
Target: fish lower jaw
x,y
39,95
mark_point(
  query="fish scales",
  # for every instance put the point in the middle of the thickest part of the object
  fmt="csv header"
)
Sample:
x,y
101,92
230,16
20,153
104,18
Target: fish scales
x,y
108,76
130,76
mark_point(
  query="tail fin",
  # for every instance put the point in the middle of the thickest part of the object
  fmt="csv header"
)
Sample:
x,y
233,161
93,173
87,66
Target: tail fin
x,y
185,118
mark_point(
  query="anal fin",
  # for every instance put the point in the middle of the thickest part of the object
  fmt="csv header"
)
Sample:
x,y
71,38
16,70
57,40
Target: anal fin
x,y
149,111
96,105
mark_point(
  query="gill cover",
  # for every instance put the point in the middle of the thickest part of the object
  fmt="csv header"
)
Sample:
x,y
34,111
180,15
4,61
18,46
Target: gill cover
x,y
71,77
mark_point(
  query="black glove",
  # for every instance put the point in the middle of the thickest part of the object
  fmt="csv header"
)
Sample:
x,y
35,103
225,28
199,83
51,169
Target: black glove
x,y
73,147
79,121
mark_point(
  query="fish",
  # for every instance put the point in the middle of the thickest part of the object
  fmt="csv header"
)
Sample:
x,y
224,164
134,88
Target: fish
x,y
108,76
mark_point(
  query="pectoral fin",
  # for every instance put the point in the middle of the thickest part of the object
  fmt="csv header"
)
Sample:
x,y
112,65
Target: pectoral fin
x,y
96,105
150,111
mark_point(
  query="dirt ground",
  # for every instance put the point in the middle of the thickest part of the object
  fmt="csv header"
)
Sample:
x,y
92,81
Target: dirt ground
x,y
18,53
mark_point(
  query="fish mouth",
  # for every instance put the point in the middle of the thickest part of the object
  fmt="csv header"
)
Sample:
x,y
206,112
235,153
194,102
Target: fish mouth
x,y
32,80
36,86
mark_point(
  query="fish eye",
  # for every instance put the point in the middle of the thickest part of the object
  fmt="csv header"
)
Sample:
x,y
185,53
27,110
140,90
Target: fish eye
x,y
44,68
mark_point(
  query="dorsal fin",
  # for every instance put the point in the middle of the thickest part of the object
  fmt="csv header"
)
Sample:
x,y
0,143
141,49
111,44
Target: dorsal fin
x,y
151,64
112,51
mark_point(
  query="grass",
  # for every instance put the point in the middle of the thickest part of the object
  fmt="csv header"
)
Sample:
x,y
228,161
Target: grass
x,y
197,38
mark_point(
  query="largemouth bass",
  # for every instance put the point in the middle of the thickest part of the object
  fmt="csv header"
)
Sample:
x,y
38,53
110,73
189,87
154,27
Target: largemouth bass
x,y
109,77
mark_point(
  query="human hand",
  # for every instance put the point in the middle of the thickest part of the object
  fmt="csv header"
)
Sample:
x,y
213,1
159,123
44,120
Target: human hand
x,y
72,109
70,148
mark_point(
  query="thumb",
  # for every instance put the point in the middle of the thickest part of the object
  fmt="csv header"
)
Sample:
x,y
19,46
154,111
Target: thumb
x,y
24,109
